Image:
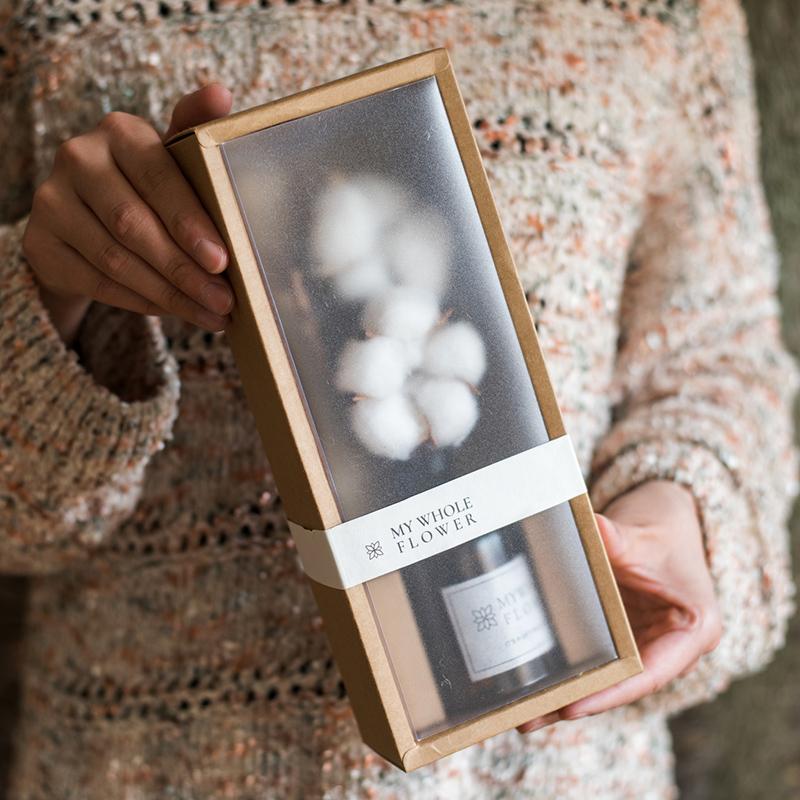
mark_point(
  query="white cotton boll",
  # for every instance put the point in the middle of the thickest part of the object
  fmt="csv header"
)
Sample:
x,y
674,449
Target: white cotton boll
x,y
456,351
414,351
389,427
362,280
418,249
404,312
373,367
388,199
448,405
346,228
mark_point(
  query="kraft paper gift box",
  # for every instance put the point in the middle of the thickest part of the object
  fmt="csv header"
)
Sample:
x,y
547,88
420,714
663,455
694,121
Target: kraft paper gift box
x,y
391,363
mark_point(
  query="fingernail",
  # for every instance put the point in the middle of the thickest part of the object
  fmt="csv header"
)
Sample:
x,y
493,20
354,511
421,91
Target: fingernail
x,y
579,715
218,298
210,255
211,322
535,725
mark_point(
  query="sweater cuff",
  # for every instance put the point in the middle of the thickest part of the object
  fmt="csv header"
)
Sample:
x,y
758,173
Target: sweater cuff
x,y
747,552
71,427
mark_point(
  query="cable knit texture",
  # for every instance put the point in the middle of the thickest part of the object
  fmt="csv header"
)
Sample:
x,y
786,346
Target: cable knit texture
x,y
173,649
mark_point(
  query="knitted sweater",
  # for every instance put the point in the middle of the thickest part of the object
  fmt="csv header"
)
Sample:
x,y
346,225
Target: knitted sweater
x,y
173,649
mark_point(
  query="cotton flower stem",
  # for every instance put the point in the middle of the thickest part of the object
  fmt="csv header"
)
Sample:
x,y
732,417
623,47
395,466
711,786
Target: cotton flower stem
x,y
443,319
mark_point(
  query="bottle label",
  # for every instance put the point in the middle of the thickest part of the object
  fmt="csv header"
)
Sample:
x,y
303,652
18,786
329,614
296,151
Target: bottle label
x,y
498,619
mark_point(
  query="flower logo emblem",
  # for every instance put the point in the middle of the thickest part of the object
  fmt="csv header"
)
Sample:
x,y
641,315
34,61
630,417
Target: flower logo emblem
x,y
374,550
484,617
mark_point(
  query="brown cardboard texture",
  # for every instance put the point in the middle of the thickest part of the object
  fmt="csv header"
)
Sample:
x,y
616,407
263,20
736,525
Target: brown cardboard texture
x,y
289,438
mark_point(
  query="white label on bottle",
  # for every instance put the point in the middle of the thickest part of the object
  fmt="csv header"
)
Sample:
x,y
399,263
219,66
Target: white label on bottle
x,y
498,619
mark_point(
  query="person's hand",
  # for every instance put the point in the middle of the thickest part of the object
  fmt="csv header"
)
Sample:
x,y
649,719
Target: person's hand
x,y
117,222
654,542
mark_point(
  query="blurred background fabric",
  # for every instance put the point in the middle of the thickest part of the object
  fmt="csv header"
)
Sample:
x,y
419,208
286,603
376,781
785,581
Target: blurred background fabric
x,y
746,745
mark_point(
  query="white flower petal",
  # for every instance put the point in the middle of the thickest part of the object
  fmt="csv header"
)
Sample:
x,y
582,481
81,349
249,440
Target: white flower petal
x,y
366,278
388,199
389,427
414,350
373,367
404,312
448,405
346,227
456,351
418,250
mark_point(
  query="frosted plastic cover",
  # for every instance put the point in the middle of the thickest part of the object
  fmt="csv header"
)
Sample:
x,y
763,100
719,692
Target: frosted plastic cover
x,y
375,260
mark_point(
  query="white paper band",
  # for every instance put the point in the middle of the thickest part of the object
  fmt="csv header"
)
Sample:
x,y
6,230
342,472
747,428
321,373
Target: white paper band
x,y
446,516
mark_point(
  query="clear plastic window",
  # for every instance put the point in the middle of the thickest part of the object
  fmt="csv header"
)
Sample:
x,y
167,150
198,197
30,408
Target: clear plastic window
x,y
376,262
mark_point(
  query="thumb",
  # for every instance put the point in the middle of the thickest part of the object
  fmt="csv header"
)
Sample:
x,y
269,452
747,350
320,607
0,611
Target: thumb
x,y
613,538
205,104
632,550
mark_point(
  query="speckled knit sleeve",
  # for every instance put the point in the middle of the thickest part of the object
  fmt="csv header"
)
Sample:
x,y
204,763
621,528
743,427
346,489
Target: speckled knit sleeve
x,y
704,385
75,434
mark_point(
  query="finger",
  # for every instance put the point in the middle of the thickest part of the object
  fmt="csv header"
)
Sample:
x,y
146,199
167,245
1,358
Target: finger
x,y
133,224
86,280
138,151
209,102
612,537
641,556
673,619
88,236
539,722
663,659
689,668
712,629
628,546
